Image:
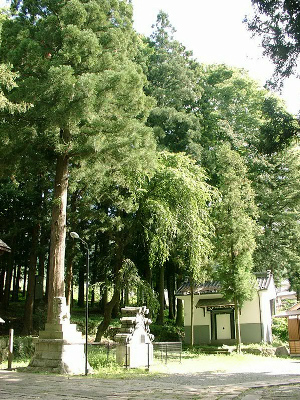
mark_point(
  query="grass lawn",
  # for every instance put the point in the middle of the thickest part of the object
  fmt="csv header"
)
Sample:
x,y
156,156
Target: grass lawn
x,y
105,366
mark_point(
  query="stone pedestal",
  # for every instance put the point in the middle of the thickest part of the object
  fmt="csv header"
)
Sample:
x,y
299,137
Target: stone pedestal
x,y
60,347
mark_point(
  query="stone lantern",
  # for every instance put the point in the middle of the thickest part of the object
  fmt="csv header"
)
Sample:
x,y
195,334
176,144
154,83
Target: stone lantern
x,y
135,348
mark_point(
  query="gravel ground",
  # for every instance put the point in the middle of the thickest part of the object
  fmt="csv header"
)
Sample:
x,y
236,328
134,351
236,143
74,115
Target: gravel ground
x,y
258,378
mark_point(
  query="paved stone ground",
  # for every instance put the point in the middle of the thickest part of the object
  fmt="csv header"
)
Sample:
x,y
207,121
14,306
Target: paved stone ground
x,y
258,380
20,385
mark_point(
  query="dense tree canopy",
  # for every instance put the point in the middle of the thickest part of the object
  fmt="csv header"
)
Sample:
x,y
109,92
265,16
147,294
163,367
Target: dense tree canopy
x,y
164,165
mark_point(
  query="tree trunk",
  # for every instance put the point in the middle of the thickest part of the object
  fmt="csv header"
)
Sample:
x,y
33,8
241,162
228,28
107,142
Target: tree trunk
x,y
81,287
69,277
25,280
15,296
104,299
116,308
171,292
2,278
179,314
161,295
71,248
237,326
93,298
47,277
107,315
42,260
126,296
8,276
58,229
116,296
29,304
192,315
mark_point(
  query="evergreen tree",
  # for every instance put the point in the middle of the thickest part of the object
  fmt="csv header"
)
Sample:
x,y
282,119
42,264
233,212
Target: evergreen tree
x,y
235,230
277,187
175,215
277,21
76,64
172,82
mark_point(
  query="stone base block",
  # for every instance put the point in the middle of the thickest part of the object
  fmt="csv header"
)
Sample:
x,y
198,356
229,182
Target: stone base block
x,y
60,347
58,358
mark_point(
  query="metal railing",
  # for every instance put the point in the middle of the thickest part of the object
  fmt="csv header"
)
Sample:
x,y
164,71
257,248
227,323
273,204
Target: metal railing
x,y
167,349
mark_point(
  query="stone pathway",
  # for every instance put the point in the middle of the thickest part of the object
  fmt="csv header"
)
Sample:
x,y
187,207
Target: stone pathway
x,y
20,385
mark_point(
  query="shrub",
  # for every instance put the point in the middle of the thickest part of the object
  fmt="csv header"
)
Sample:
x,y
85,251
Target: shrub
x,y
23,347
167,332
280,329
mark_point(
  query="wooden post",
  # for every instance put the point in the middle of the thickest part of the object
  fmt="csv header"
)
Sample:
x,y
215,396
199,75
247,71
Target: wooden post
x,y
10,348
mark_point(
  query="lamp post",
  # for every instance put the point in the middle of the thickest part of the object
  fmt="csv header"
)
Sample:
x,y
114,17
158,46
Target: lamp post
x,y
74,235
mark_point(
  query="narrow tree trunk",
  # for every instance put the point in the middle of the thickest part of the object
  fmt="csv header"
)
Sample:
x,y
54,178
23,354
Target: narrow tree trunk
x,y
126,296
116,308
8,276
16,290
93,298
179,314
192,315
29,304
71,249
47,276
58,229
41,264
237,326
116,295
25,280
107,315
13,297
81,287
94,274
171,292
2,278
69,277
161,294
104,299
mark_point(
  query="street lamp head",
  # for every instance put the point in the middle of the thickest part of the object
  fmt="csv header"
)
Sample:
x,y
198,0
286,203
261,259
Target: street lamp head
x,y
74,235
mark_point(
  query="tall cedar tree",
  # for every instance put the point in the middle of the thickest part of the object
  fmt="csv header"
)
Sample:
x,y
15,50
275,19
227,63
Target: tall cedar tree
x,y
172,82
235,230
278,195
76,64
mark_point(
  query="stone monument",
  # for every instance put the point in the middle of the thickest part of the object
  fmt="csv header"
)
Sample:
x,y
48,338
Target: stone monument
x,y
135,348
60,347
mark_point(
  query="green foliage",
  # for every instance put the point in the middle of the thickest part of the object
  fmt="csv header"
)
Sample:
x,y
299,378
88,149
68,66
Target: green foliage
x,y
173,84
280,329
93,323
23,347
277,187
79,64
235,227
277,22
7,83
102,357
167,332
177,216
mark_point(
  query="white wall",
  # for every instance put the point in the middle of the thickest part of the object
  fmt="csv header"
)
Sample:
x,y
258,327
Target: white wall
x,y
266,316
250,311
